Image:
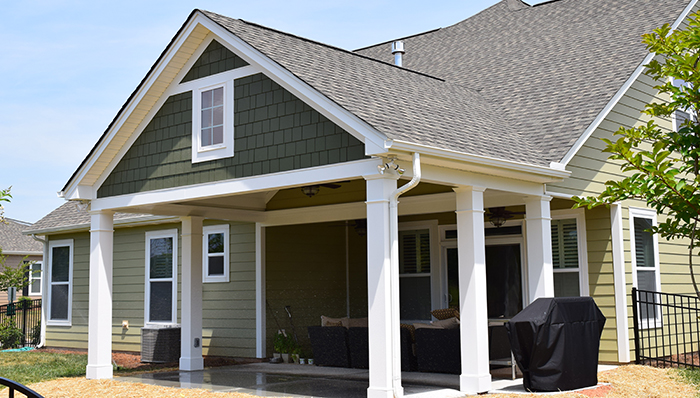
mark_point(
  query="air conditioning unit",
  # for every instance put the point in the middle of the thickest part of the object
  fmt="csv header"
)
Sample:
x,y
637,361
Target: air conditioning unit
x,y
160,343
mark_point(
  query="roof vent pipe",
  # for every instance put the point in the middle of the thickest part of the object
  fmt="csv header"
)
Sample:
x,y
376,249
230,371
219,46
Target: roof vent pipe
x,y
398,51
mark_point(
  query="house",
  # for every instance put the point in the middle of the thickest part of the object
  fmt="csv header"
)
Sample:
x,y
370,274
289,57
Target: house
x,y
18,249
253,170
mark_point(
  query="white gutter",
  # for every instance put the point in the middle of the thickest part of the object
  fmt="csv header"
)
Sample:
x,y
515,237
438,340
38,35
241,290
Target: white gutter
x,y
394,265
44,278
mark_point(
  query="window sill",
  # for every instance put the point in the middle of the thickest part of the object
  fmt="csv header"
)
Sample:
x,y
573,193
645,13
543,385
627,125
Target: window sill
x,y
59,323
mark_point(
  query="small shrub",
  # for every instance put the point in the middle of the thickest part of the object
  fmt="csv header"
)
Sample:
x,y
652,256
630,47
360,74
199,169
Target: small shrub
x,y
35,334
10,335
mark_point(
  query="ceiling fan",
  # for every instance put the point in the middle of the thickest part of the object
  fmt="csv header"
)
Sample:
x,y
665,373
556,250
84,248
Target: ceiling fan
x,y
499,215
311,190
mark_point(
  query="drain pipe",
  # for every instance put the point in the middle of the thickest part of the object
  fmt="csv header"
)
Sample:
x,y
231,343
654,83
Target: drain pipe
x,y
394,238
45,260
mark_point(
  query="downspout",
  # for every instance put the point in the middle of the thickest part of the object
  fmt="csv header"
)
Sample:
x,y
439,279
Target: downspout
x,y
394,237
44,267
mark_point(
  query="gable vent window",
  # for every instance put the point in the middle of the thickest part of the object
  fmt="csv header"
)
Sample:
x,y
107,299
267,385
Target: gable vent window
x,y
212,122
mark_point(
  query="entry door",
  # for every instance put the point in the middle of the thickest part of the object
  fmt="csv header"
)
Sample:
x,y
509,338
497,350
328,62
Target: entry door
x,y
504,278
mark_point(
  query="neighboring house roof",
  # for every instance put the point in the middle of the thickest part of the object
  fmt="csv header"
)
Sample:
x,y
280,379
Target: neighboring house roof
x,y
550,69
69,217
12,241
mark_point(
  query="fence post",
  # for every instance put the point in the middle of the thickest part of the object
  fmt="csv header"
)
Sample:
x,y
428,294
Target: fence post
x,y
635,320
25,308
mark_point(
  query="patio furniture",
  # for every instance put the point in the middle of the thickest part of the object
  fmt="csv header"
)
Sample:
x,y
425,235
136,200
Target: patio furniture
x,y
438,350
500,353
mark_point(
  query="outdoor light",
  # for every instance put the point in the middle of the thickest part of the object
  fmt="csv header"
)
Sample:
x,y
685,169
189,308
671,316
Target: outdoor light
x,y
499,215
310,190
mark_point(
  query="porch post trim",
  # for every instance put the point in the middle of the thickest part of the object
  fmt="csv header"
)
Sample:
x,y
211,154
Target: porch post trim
x,y
100,296
471,245
620,283
380,320
260,313
191,304
538,222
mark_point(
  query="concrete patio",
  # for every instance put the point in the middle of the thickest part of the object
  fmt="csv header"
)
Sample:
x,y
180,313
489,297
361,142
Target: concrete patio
x,y
289,380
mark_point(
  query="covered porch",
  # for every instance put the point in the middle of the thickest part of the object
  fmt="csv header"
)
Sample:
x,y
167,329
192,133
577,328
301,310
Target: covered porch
x,y
369,190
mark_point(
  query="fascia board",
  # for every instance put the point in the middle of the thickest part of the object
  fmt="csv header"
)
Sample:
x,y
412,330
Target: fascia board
x,y
70,192
619,94
129,222
21,253
483,164
287,179
373,140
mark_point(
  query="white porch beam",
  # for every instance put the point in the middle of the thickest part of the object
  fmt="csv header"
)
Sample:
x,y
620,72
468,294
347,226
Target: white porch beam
x,y
538,223
191,306
381,370
100,296
471,243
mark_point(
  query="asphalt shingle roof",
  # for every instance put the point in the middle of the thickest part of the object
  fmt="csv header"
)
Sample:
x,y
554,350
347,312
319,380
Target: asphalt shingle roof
x,y
68,214
550,69
401,104
12,239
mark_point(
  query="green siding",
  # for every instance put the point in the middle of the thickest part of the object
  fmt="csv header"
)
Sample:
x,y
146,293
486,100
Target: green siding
x,y
274,131
228,309
215,59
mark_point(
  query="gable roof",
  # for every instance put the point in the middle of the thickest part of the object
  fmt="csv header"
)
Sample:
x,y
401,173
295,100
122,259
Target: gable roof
x,y
12,241
550,68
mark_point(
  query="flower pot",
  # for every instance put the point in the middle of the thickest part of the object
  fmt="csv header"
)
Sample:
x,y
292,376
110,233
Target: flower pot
x,y
311,361
285,358
277,355
302,361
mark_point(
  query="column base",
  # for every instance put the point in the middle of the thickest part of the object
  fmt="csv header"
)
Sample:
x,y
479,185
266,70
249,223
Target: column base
x,y
474,384
98,371
196,363
375,392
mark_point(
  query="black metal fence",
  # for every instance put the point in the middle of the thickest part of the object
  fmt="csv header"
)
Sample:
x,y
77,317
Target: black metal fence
x,y
24,315
666,328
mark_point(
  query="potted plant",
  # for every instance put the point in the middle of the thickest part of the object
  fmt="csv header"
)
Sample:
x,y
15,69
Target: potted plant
x,y
296,352
279,343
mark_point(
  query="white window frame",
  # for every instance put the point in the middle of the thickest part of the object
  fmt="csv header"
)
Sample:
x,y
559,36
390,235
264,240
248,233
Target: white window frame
x,y
212,152
674,118
649,214
206,231
436,289
33,278
52,245
169,233
580,216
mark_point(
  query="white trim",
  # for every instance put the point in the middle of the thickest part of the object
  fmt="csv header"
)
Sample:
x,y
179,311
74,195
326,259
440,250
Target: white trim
x,y
206,231
435,272
53,244
168,233
580,216
287,179
620,283
648,214
260,313
40,279
619,94
201,153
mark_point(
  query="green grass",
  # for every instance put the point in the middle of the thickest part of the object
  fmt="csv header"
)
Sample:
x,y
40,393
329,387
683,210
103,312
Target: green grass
x,y
32,367
690,376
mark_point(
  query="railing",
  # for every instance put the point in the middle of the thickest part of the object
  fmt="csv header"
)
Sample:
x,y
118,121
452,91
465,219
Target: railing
x,y
26,316
666,329
14,386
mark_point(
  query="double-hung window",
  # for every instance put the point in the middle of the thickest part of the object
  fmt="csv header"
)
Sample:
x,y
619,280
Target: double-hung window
x,y
645,264
569,254
161,277
60,282
215,264
212,122
34,279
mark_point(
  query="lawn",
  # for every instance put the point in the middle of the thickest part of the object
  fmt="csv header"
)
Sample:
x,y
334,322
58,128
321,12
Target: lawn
x,y
29,367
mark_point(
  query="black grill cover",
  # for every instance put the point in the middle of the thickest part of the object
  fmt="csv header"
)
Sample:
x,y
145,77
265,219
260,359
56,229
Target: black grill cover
x,y
555,342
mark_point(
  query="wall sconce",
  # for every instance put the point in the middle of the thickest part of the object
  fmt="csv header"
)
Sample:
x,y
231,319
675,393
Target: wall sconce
x,y
125,325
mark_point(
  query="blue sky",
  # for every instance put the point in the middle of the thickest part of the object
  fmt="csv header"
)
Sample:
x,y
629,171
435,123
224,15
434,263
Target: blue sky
x,y
68,66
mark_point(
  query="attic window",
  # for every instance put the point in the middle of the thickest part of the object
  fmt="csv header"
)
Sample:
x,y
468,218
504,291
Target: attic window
x,y
212,122
680,116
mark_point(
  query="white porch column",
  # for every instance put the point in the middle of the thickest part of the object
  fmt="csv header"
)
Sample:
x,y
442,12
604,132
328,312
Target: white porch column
x,y
191,305
474,333
381,370
100,296
538,221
